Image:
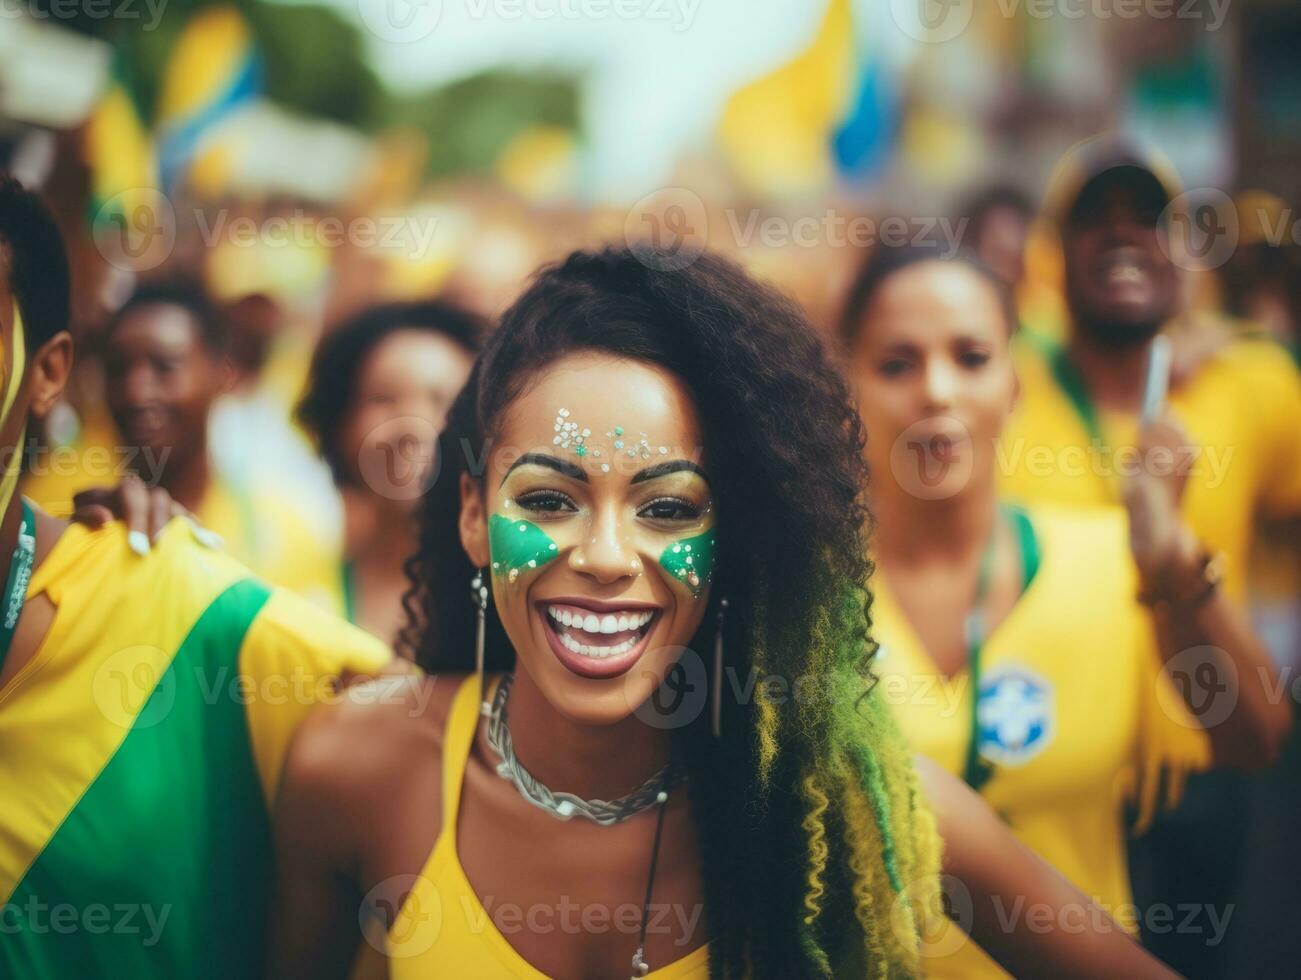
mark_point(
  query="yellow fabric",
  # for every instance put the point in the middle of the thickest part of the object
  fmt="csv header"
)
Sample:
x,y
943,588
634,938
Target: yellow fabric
x,y
1112,724
442,929
293,684
1243,409
264,531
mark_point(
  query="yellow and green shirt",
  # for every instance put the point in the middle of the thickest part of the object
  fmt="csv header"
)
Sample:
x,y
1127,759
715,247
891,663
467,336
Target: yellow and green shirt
x,y
1242,411
1074,713
139,751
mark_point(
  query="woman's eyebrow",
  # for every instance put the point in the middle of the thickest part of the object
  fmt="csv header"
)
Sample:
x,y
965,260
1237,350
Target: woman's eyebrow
x,y
561,466
671,466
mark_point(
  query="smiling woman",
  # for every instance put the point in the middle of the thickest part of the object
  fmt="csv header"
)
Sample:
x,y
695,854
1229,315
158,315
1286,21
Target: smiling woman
x,y
644,464
640,467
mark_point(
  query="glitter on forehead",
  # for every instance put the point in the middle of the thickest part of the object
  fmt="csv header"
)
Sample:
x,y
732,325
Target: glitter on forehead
x,y
572,436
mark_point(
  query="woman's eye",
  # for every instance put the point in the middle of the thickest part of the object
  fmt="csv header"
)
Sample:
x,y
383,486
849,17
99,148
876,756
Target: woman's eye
x,y
894,367
973,358
546,502
669,509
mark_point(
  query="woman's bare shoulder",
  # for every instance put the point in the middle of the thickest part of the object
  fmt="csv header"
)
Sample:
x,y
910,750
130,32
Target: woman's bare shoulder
x,y
351,753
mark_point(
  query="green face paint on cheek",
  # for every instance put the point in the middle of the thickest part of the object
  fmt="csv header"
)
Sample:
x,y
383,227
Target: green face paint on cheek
x,y
691,561
517,546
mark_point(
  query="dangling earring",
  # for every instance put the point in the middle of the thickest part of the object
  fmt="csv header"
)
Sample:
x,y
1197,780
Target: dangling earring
x,y
479,595
716,692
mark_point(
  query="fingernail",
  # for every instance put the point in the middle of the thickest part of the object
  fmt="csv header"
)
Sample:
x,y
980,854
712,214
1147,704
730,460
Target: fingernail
x,y
138,542
209,539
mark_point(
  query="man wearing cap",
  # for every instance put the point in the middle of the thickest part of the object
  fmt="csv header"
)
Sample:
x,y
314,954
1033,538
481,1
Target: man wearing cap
x,y
1235,421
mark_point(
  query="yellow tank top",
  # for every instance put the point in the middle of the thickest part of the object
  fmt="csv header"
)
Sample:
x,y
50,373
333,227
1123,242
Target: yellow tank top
x,y
442,930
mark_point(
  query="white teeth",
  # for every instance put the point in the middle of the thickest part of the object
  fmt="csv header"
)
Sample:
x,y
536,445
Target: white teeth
x,y
608,623
595,652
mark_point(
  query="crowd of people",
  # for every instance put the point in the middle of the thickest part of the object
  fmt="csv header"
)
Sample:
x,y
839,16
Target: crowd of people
x,y
648,620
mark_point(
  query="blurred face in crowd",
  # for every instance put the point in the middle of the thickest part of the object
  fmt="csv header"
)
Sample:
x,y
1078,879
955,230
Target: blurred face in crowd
x,y
1120,283
162,379
595,520
404,390
1000,242
933,371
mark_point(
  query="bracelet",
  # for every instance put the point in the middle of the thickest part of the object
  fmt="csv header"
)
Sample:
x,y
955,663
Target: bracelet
x,y
1210,573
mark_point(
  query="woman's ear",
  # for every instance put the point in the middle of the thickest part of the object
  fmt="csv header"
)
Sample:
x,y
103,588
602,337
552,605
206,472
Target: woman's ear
x,y
473,523
48,373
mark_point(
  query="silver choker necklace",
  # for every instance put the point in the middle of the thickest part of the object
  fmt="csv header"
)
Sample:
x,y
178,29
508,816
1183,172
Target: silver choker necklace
x,y
565,806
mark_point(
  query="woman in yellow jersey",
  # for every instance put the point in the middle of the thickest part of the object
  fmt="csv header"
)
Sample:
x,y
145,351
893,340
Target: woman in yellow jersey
x,y
670,760
1013,646
377,397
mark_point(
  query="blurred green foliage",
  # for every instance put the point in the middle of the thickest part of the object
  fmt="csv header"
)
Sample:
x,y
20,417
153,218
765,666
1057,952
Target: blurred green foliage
x,y
314,62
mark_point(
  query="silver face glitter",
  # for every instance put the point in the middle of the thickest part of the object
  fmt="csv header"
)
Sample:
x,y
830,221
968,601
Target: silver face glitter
x,y
576,438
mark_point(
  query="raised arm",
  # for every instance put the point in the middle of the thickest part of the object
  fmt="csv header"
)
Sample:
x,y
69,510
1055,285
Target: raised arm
x,y
1021,911
1233,686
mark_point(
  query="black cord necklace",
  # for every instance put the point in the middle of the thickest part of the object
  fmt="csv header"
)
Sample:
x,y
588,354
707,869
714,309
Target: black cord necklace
x,y
539,795
639,965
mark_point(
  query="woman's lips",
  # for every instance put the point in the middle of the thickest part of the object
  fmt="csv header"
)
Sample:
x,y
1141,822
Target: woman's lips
x,y
945,446
595,643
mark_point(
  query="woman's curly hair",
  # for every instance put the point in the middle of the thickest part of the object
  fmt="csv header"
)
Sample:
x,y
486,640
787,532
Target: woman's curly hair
x,y
818,857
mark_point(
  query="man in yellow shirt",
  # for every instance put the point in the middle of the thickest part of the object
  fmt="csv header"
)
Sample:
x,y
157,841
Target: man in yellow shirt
x,y
146,702
1073,438
1075,432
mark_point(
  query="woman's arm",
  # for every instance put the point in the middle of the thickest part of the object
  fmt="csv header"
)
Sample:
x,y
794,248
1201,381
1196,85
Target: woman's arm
x,y
1021,911
342,788
315,930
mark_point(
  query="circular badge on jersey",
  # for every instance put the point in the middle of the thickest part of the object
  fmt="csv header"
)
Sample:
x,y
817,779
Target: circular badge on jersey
x,y
1015,714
